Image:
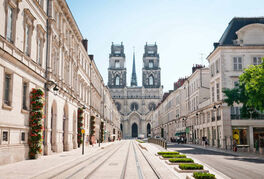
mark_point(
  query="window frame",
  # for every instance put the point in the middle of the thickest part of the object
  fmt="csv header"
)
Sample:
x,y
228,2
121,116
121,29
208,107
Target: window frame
x,y
28,23
10,91
236,63
14,6
258,59
25,94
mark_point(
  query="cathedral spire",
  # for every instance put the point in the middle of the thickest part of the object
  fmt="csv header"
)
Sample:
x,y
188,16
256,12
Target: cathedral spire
x,y
134,75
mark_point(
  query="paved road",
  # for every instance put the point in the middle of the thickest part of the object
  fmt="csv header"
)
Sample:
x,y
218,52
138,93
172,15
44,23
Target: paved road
x,y
124,159
236,167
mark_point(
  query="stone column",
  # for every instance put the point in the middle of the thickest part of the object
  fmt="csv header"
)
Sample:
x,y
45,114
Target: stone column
x,y
251,138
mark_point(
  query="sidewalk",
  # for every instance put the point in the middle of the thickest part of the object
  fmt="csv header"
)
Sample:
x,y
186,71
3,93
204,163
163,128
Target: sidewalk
x,y
212,170
241,154
31,168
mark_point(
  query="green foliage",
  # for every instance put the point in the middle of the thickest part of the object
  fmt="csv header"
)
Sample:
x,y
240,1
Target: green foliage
x,y
200,175
36,123
80,126
174,156
249,92
168,153
140,141
253,80
191,166
181,160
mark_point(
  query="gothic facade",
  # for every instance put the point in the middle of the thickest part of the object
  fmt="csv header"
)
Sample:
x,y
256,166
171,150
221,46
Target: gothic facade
x,y
135,102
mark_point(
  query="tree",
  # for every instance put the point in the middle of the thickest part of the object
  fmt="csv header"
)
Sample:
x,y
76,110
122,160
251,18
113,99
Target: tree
x,y
253,81
249,91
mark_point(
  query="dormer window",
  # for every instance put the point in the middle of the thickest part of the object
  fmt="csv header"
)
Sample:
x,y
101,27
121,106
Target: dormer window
x,y
151,63
117,64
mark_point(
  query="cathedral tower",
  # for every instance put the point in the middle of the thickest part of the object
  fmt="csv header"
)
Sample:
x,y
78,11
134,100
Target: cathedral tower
x,y
151,69
117,70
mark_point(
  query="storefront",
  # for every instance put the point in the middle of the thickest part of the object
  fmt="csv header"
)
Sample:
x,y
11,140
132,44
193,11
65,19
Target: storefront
x,y
258,134
240,135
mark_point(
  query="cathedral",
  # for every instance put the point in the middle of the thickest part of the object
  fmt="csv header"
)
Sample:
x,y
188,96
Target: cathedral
x,y
135,102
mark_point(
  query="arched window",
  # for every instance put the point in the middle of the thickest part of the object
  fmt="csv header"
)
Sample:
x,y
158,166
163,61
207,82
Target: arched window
x,y
151,80
117,81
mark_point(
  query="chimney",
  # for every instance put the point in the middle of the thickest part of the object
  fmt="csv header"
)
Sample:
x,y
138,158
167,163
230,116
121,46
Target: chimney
x,y
85,44
197,66
91,57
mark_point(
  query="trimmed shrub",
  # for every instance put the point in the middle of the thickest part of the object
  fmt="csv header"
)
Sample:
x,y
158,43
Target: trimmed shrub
x,y
174,156
140,141
181,160
168,153
191,166
200,175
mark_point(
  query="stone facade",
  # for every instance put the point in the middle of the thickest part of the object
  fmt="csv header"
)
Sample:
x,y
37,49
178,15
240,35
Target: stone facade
x,y
134,102
42,47
202,113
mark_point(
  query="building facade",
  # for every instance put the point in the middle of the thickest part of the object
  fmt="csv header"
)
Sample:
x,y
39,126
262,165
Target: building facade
x,y
205,116
42,47
135,102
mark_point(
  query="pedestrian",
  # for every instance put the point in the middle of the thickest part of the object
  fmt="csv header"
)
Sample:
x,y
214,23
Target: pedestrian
x,y
234,145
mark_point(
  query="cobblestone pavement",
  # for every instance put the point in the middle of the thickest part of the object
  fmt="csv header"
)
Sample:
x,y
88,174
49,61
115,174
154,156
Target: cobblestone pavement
x,y
122,159
232,165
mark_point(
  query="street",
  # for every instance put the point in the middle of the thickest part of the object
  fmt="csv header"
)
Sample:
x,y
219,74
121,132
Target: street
x,y
240,167
120,159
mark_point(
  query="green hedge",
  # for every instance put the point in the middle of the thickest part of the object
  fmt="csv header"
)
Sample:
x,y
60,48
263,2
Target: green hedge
x,y
181,160
174,156
168,153
200,175
191,166
140,141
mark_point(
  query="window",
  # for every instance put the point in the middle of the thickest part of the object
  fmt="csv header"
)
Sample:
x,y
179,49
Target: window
x,y
117,81
257,60
25,94
28,29
23,136
151,80
10,21
117,64
27,35
40,44
212,70
7,91
217,66
217,92
134,106
151,63
5,136
237,62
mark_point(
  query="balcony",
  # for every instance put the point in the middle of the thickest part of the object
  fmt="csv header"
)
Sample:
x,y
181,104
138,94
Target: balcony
x,y
254,117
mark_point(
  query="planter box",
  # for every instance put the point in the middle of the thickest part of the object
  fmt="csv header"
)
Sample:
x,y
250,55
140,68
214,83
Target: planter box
x,y
177,163
188,171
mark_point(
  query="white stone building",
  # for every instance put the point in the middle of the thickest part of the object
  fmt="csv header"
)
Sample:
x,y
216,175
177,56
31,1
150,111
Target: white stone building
x,y
42,47
206,116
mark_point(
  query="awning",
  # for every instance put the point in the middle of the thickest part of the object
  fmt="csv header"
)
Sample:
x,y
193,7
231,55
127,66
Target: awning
x,y
179,133
187,130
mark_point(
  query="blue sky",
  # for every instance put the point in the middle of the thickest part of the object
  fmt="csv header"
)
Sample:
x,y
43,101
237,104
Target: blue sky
x,y
182,29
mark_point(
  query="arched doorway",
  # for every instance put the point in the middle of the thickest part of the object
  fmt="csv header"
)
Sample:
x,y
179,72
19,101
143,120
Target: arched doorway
x,y
148,130
53,126
134,130
74,128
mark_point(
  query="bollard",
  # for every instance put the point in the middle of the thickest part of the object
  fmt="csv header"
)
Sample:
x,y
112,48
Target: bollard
x,y
166,145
